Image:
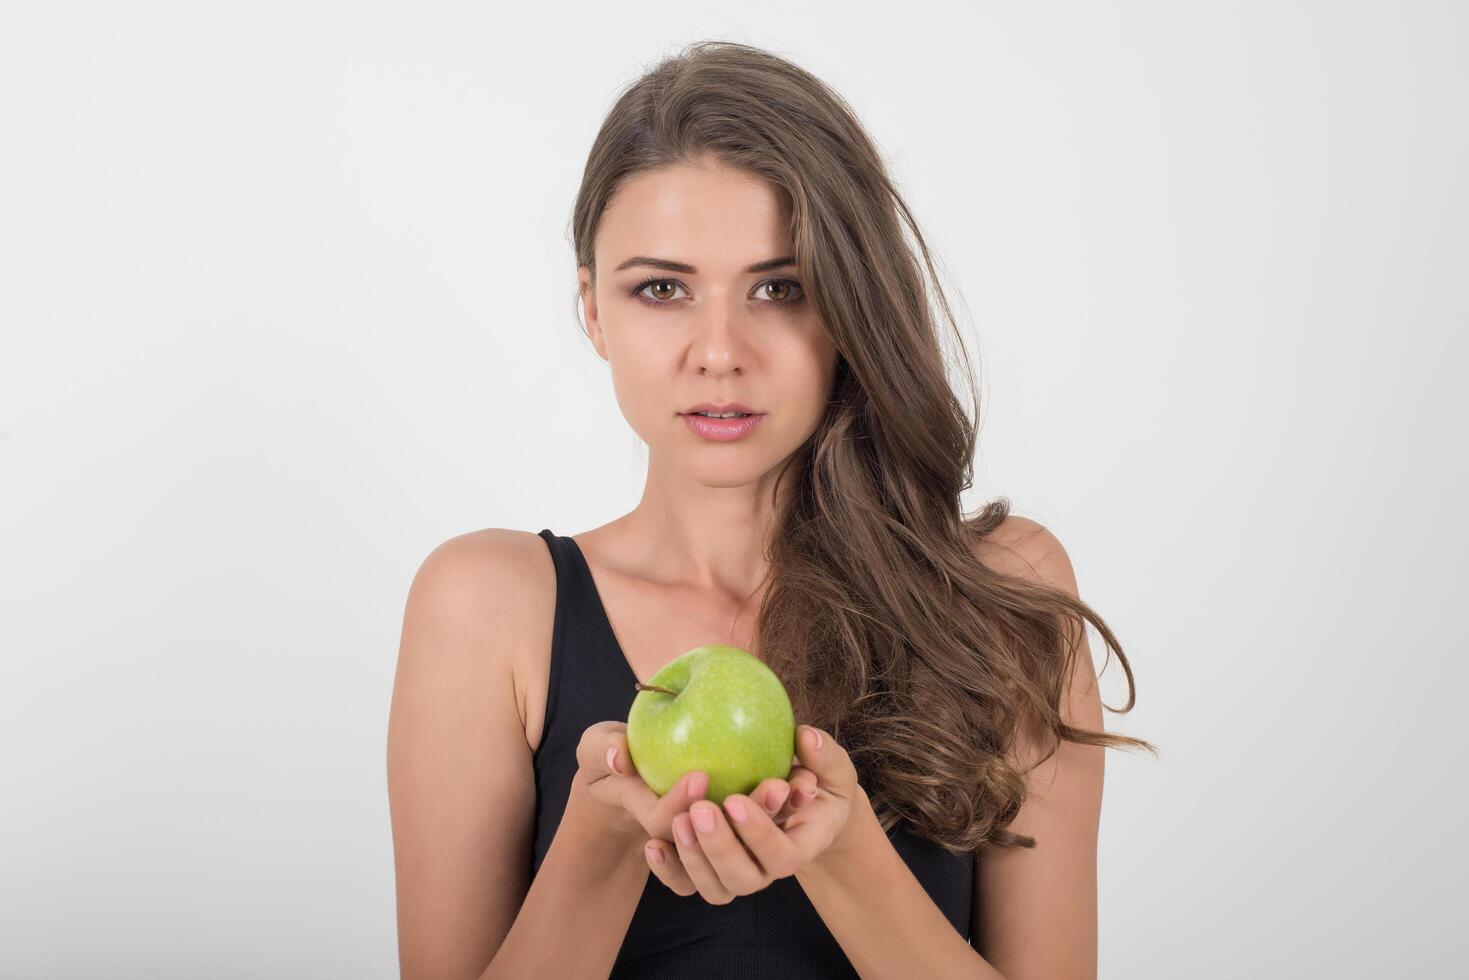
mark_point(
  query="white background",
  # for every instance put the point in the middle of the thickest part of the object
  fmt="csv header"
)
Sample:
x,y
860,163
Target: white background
x,y
286,293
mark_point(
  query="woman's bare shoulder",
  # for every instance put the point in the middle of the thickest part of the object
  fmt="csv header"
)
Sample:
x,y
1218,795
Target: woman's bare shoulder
x,y
1022,547
502,581
495,570
491,550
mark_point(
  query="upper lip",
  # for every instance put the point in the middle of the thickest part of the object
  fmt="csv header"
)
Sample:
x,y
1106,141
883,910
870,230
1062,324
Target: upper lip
x,y
720,409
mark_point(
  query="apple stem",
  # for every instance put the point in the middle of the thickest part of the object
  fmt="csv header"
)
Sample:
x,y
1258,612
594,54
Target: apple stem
x,y
649,687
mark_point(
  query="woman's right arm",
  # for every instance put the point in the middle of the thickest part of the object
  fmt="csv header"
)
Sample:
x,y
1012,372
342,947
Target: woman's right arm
x,y
462,793
576,914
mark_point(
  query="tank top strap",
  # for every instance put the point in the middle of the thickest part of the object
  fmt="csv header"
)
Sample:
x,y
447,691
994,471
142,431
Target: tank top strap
x,y
589,679
588,682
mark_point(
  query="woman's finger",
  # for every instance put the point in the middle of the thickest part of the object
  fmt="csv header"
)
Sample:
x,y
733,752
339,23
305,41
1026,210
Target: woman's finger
x,y
771,794
736,866
663,859
600,745
696,863
656,812
603,755
774,853
803,788
802,782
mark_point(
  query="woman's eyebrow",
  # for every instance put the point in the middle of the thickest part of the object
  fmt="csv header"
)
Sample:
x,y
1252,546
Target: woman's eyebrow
x,y
668,265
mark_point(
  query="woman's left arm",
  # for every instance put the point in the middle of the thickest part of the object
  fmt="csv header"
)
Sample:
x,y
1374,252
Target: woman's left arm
x,y
1035,909
886,922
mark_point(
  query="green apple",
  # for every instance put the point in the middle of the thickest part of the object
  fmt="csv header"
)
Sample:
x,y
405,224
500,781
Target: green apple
x,y
717,709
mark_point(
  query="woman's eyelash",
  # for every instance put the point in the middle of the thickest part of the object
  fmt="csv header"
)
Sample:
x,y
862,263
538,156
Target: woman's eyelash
x,y
638,289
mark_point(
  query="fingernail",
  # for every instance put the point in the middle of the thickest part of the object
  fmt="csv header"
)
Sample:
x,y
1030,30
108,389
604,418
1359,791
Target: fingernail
x,y
683,830
703,817
816,739
612,757
655,854
802,798
736,809
776,797
697,784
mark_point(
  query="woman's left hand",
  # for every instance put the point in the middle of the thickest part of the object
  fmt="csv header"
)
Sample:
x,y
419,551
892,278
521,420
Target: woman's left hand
x,y
739,850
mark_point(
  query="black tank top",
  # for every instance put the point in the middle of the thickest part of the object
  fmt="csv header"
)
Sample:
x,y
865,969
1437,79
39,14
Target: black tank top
x,y
772,934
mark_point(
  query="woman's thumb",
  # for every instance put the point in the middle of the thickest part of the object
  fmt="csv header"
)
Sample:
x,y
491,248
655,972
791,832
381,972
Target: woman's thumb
x,y
820,753
618,759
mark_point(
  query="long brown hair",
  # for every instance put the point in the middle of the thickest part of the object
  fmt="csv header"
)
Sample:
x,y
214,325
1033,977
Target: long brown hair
x,y
888,631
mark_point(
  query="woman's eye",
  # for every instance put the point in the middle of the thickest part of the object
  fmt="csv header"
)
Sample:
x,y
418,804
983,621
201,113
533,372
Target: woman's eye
x,y
660,296
658,292
785,291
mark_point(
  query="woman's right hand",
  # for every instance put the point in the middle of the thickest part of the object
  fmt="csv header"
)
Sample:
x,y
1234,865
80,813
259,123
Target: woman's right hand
x,y
628,805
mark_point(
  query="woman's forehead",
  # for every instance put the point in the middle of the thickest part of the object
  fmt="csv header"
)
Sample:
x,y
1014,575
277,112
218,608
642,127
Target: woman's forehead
x,y
717,221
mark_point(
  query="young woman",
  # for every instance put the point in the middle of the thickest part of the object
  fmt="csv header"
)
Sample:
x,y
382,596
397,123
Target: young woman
x,y
741,250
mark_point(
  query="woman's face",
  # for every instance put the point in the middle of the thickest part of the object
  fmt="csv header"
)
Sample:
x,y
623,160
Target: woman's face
x,y
710,330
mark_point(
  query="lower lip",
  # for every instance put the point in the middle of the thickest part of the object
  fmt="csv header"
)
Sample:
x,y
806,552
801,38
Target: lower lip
x,y
722,430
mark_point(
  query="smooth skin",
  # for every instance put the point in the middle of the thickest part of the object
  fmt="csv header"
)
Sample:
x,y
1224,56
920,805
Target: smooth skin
x,y
680,569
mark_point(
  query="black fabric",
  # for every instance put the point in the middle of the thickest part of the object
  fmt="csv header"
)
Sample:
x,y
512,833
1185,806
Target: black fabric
x,y
771,934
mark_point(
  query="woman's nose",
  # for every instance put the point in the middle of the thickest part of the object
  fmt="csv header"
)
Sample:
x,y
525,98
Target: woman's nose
x,y
719,346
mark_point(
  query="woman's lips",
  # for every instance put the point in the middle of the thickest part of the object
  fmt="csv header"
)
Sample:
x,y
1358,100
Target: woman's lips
x,y
722,430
